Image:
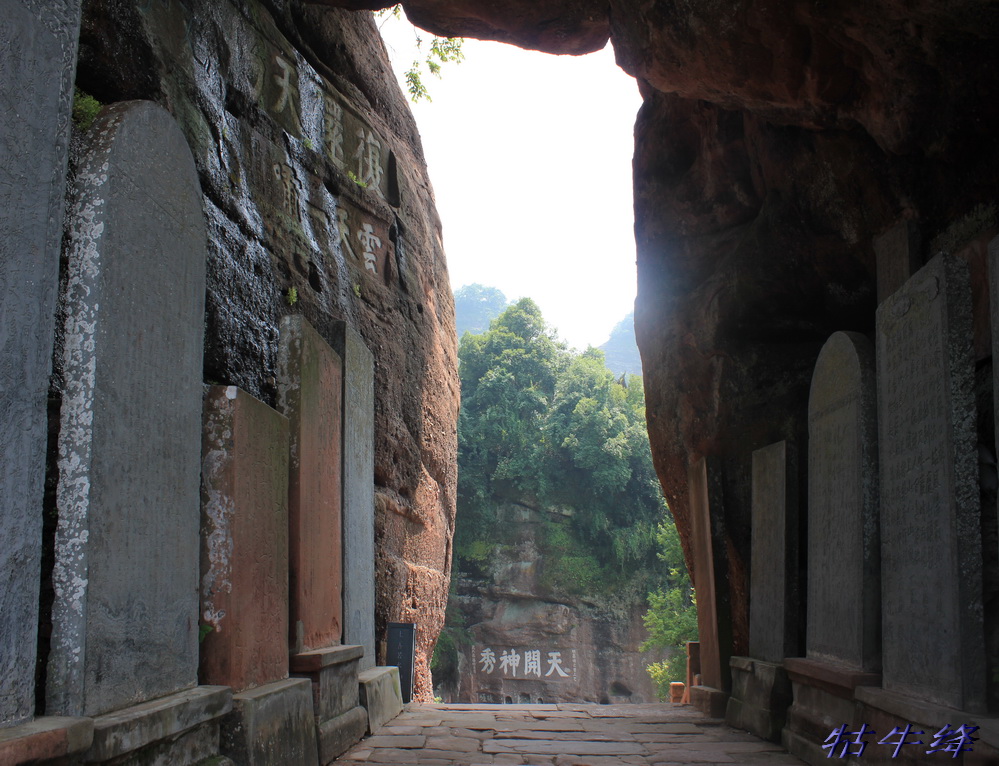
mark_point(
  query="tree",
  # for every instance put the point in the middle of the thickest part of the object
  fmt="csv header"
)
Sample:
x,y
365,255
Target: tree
x,y
672,616
475,306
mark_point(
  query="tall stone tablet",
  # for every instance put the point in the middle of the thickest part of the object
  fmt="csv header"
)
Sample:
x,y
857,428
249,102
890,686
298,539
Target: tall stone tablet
x,y
244,541
705,490
310,385
844,585
358,492
774,588
931,557
37,69
125,617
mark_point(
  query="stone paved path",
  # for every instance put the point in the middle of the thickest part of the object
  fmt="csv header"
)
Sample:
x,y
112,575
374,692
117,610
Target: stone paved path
x,y
561,735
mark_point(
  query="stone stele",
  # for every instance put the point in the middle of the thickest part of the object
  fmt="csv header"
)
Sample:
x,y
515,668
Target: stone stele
x,y
125,616
310,379
244,541
358,492
37,69
844,585
931,548
773,615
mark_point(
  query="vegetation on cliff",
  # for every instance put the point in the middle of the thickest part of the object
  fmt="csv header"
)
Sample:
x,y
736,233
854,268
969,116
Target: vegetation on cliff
x,y
554,431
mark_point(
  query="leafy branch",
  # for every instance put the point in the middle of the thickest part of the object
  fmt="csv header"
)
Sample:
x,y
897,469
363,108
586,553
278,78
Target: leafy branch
x,y
443,50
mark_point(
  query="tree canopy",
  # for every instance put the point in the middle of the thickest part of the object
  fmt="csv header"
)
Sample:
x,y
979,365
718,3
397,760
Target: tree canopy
x,y
475,306
555,427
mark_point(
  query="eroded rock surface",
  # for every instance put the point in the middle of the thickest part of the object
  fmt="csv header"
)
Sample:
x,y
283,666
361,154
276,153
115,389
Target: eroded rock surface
x,y
777,142
317,202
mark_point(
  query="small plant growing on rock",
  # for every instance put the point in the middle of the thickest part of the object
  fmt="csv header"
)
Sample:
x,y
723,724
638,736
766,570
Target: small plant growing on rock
x,y
291,296
353,177
85,109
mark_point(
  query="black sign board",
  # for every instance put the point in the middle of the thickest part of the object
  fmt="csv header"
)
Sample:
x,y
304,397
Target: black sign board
x,y
401,652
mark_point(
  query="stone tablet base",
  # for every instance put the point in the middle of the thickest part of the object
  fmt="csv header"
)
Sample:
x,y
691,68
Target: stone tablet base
x,y
823,700
340,720
179,729
711,702
272,724
46,740
761,695
381,694
883,710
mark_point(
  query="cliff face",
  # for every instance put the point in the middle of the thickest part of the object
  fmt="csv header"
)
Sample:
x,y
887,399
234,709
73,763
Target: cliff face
x,y
524,637
282,104
777,142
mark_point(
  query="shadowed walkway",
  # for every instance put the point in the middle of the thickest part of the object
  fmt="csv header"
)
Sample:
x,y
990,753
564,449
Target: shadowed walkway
x,y
561,735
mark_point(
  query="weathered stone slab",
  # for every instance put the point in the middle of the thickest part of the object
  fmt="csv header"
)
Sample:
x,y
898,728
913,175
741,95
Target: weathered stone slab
x,y
358,492
333,673
125,626
931,564
244,541
774,588
164,720
381,695
48,739
338,734
713,621
37,69
272,724
898,252
310,378
844,585
761,696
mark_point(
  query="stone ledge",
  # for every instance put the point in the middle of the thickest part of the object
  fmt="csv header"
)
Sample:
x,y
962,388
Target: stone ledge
x,y
272,724
837,680
337,735
44,739
712,702
381,695
926,713
316,660
127,730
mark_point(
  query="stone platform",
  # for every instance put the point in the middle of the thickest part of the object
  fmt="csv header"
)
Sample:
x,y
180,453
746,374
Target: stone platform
x,y
561,735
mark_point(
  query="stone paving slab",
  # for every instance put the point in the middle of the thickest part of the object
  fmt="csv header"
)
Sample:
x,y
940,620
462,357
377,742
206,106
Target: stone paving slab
x,y
561,735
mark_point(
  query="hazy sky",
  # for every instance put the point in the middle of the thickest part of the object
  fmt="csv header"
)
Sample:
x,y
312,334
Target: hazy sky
x,y
530,159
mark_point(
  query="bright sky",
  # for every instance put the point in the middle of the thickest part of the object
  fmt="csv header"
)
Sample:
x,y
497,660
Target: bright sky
x,y
530,159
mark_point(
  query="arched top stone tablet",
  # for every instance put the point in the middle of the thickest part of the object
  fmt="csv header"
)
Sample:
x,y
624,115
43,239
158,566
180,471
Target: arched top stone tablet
x,y
129,459
844,584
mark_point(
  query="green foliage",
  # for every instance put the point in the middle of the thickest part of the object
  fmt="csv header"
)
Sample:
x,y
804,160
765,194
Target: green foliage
x,y
203,630
672,616
85,109
443,50
353,177
291,297
540,421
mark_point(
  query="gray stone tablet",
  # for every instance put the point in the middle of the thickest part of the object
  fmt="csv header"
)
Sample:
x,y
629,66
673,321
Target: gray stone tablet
x,y
773,592
844,585
931,549
358,492
38,43
125,617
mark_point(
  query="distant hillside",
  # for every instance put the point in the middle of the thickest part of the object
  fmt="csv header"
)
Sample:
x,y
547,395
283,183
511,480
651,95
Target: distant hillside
x,y
621,351
475,306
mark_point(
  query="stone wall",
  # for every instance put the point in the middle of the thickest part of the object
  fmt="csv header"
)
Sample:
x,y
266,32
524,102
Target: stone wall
x,y
283,106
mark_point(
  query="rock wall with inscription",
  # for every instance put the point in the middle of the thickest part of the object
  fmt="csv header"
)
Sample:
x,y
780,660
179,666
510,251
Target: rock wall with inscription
x,y
521,638
317,203
777,143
